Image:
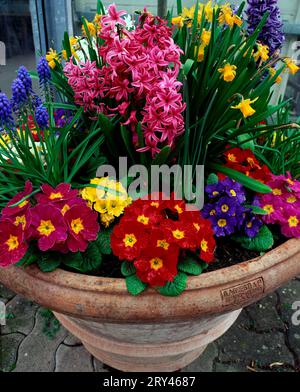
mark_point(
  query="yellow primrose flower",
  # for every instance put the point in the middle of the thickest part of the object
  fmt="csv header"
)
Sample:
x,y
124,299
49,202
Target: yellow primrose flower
x,y
262,52
91,27
228,72
106,219
273,72
178,21
293,67
199,52
245,107
205,37
51,56
116,207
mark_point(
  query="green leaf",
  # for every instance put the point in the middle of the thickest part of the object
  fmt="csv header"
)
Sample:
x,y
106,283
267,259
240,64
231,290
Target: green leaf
x,y
188,66
241,178
128,269
212,179
192,266
92,258
134,285
256,210
162,157
49,262
175,288
103,241
85,262
261,243
31,257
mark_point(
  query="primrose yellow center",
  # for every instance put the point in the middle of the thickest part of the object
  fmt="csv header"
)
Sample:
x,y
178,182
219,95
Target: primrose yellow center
x,y
232,192
156,263
249,225
291,199
130,240
143,219
293,221
24,204
77,225
65,209
178,234
291,182
269,209
178,209
46,228
12,243
232,158
55,196
212,212
222,222
277,192
225,208
204,245
163,244
215,193
21,220
197,226
155,204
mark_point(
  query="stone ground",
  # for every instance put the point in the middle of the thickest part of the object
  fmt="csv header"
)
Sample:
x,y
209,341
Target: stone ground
x,y
263,339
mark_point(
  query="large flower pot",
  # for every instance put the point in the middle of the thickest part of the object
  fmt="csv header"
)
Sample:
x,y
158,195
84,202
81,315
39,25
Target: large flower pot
x,y
151,332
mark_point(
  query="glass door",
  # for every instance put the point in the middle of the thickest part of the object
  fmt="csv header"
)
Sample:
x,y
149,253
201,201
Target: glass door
x,y
16,36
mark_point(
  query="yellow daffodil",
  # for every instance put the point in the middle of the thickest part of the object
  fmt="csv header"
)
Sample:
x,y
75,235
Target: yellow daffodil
x,y
262,53
97,19
51,57
209,11
5,140
91,27
205,37
178,21
199,52
228,72
188,13
228,17
245,107
292,66
273,72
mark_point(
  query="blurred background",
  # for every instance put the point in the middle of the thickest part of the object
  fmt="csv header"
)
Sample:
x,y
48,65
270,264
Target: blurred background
x,y
30,27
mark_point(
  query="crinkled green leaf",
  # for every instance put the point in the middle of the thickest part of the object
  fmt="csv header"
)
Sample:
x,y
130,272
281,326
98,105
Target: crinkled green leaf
x,y
175,288
192,266
261,243
128,268
49,262
103,241
212,179
134,285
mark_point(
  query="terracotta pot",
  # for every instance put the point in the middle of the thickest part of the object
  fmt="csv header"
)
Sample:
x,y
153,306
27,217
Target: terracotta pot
x,y
151,332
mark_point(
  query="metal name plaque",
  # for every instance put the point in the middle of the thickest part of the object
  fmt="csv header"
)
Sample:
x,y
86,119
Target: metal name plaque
x,y
242,293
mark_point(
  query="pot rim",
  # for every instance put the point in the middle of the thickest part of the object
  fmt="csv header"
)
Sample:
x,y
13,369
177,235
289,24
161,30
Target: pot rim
x,y
107,299
208,279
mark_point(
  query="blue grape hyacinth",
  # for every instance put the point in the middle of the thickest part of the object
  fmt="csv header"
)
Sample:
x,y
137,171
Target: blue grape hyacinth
x,y
6,118
24,76
42,117
44,72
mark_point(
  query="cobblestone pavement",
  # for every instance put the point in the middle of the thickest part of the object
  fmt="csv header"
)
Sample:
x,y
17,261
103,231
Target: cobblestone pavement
x,y
262,340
